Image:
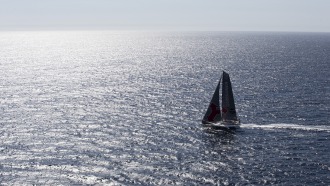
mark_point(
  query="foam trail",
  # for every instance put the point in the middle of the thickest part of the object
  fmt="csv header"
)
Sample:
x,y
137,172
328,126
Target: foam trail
x,y
288,126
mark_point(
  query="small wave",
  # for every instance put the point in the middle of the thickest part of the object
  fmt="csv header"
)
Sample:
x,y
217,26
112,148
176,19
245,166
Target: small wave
x,y
288,126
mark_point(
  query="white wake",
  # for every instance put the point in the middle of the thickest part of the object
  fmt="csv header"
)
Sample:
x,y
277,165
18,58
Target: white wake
x,y
288,126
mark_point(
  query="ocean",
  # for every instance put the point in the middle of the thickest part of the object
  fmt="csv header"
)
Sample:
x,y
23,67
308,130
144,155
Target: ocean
x,y
125,108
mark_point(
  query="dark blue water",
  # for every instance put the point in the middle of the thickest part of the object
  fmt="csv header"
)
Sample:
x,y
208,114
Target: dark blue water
x,y
125,108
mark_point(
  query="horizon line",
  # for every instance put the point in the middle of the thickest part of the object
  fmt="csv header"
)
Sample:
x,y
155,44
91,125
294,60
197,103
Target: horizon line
x,y
143,29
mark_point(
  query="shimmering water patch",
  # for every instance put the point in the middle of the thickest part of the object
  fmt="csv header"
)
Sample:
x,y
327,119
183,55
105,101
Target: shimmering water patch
x,y
125,108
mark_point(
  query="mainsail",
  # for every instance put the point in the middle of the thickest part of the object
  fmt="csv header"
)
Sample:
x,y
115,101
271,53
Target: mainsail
x,y
228,110
213,114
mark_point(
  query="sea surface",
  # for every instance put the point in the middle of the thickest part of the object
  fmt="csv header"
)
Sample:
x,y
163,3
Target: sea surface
x,y
125,108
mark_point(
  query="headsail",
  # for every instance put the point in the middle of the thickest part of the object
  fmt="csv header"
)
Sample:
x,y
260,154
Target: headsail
x,y
228,110
213,113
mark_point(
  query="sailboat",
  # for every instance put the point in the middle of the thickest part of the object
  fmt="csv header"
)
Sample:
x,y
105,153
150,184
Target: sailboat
x,y
226,117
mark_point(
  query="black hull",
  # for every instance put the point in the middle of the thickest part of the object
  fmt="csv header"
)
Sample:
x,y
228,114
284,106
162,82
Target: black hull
x,y
230,128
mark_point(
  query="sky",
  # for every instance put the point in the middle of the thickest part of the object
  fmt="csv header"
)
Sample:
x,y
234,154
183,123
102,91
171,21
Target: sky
x,y
195,15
